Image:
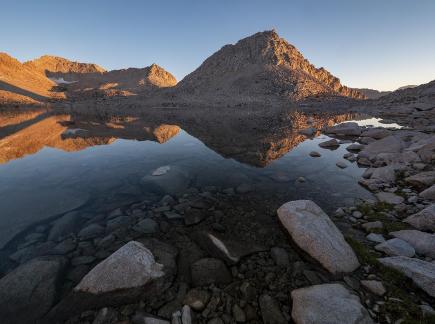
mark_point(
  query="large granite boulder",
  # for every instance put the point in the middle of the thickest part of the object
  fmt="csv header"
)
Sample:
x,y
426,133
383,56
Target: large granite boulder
x,y
328,303
421,272
129,274
28,292
424,219
423,243
314,232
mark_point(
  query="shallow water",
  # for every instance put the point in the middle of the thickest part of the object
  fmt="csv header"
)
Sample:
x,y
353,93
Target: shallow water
x,y
50,167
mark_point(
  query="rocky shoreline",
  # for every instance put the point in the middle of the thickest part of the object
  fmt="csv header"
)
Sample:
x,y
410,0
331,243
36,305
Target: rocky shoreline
x,y
217,255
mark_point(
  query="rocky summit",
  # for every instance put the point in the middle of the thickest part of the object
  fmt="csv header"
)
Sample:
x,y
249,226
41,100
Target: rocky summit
x,y
260,68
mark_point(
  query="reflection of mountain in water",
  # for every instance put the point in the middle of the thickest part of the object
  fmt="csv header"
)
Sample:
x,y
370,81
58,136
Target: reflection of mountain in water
x,y
248,137
29,132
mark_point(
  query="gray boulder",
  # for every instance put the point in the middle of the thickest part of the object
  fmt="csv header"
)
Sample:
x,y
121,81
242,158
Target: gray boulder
x,y
328,303
421,272
346,129
421,180
423,220
429,193
396,247
423,243
389,198
129,274
314,232
28,292
390,144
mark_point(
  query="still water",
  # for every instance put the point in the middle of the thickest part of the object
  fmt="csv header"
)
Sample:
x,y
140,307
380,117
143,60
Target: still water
x,y
51,164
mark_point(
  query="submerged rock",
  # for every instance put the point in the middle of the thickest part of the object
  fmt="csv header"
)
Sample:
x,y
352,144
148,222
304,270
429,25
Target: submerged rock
x,y
315,154
173,181
315,233
64,226
421,272
328,303
28,292
210,271
227,249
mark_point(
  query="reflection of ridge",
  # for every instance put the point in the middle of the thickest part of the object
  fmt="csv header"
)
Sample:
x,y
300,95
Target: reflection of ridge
x,y
32,132
248,137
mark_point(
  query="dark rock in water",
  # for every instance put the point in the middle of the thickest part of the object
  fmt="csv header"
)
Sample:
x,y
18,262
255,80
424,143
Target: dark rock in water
x,y
227,249
65,246
29,291
244,188
84,259
197,299
39,206
106,315
77,273
210,271
270,310
332,143
33,251
193,216
128,275
174,181
64,226
91,231
120,221
147,226
142,318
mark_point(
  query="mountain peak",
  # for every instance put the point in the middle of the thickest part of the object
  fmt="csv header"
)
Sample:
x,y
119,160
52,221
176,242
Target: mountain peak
x,y
57,64
259,68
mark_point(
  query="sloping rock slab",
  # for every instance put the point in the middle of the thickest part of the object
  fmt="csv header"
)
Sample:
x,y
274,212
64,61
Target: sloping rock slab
x,y
389,144
328,303
429,193
423,243
229,250
422,180
424,219
129,274
29,291
314,232
421,272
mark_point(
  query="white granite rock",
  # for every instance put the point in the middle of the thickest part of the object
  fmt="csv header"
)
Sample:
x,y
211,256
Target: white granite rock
x,y
314,232
328,303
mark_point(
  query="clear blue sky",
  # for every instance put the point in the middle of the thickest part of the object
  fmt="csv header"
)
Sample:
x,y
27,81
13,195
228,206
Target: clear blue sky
x,y
381,44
